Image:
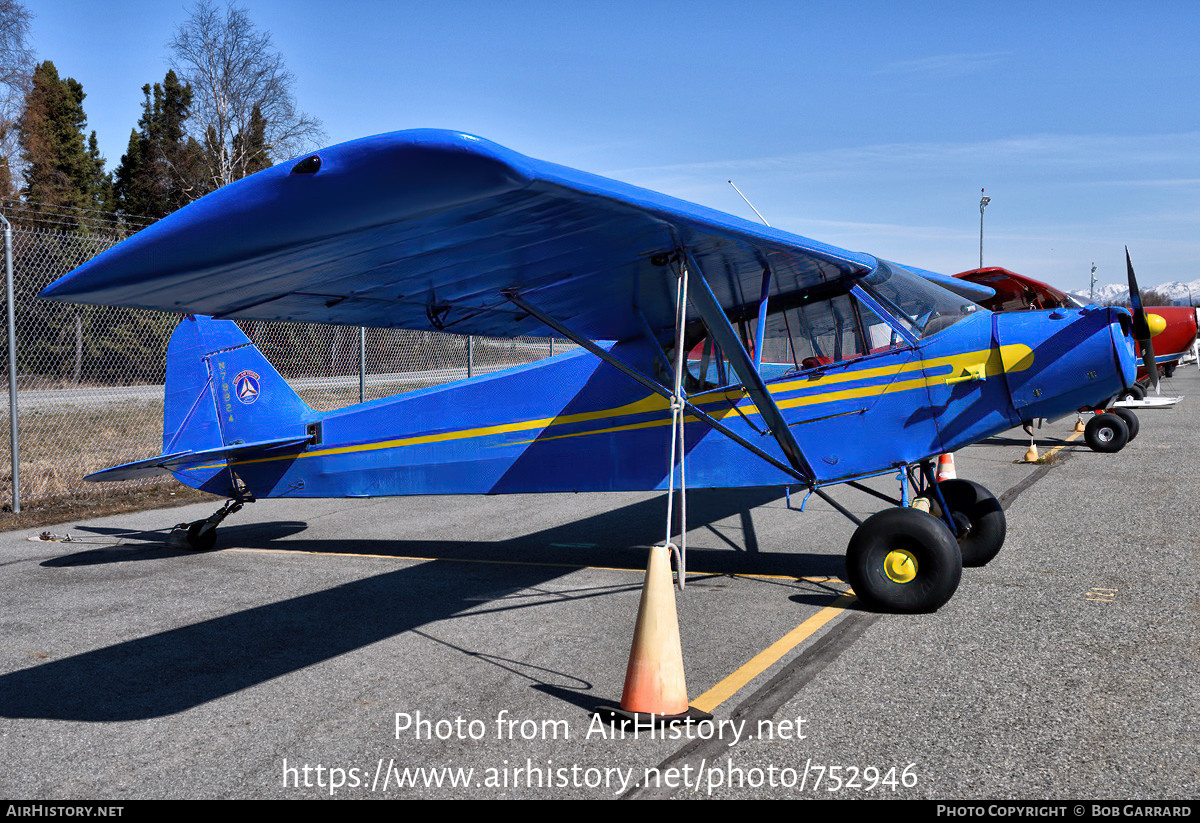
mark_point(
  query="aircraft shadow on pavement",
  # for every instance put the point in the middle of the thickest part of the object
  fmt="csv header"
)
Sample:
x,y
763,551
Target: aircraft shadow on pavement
x,y
180,668
155,545
1023,442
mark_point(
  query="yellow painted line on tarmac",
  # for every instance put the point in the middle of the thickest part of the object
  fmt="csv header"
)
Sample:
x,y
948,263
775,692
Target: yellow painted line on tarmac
x,y
719,693
1074,436
730,686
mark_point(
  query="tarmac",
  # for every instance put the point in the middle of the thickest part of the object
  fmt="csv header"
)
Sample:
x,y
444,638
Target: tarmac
x,y
446,647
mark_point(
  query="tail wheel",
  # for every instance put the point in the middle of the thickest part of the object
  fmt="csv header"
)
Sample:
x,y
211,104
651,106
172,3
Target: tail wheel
x,y
979,519
1134,392
903,560
201,539
1106,433
1131,421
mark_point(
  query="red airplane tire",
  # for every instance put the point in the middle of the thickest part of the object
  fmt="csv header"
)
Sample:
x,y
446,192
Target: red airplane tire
x,y
1131,421
894,543
1106,433
978,509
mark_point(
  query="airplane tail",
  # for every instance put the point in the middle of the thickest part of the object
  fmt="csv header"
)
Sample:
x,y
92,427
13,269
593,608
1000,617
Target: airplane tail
x,y
221,391
223,401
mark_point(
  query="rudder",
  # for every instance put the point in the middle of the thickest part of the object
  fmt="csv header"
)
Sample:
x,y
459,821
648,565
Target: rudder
x,y
221,391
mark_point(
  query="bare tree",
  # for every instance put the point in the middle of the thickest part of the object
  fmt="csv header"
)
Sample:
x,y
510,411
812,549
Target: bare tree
x,y
16,76
243,109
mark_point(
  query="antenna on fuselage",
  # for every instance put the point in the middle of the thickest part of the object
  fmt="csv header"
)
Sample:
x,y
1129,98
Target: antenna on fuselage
x,y
751,205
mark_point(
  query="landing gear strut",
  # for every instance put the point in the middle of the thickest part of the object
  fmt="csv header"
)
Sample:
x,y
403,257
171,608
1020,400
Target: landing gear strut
x,y
202,534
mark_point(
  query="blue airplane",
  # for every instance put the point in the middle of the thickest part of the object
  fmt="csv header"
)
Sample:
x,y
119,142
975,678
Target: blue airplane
x,y
762,357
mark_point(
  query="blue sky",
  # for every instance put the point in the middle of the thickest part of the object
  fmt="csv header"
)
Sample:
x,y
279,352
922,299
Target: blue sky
x,y
871,126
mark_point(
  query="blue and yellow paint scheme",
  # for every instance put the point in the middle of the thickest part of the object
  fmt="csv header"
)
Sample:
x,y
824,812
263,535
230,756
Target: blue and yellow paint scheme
x,y
428,229
879,367
576,423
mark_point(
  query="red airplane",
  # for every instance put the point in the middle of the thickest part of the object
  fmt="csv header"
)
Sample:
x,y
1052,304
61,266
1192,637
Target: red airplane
x,y
1174,329
1174,334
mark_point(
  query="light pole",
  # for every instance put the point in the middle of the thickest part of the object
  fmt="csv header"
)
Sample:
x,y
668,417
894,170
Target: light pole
x,y
1092,299
983,201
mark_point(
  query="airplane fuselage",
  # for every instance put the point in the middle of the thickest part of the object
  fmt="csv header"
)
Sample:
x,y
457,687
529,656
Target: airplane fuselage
x,y
576,423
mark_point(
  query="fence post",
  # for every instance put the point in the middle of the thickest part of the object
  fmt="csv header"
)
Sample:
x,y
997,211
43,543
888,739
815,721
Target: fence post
x,y
12,368
362,363
470,355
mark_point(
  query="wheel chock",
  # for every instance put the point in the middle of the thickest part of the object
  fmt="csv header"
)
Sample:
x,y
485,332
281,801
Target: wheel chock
x,y
655,687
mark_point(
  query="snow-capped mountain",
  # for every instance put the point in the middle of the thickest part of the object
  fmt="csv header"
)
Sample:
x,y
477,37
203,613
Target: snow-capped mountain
x,y
1174,293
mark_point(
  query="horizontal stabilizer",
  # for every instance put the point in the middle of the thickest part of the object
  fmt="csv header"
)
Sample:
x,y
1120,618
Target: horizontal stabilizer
x,y
166,463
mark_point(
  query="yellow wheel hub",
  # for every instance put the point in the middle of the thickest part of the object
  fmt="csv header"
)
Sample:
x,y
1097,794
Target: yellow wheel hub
x,y
900,566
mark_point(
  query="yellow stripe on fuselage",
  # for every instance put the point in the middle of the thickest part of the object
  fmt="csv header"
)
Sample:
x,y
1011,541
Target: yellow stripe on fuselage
x,y
987,362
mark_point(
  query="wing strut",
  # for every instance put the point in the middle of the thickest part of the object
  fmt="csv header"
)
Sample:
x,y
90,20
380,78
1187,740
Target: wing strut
x,y
699,414
761,338
743,366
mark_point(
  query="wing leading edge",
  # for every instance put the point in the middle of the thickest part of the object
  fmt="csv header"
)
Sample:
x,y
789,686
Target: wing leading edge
x,y
429,229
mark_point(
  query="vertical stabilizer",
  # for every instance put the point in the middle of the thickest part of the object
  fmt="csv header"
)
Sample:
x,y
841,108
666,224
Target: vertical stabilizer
x,y
221,391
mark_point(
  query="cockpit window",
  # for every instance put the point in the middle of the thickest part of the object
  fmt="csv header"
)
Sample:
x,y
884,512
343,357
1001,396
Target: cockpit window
x,y
927,308
827,324
827,331
798,337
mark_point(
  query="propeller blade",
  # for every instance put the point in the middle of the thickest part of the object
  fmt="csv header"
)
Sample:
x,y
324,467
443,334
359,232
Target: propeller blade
x,y
1141,326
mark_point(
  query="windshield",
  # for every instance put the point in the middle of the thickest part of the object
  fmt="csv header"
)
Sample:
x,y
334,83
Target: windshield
x,y
924,306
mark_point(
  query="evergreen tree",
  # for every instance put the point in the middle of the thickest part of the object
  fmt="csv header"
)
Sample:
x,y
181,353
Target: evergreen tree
x,y
100,186
162,169
60,168
250,150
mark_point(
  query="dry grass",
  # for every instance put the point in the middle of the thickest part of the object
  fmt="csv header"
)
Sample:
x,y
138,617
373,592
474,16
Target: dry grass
x,y
48,512
60,445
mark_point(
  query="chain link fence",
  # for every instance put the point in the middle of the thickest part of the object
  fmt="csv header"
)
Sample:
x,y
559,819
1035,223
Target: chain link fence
x,y
90,378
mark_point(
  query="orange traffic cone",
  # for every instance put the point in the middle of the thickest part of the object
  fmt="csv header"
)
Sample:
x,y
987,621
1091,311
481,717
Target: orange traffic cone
x,y
654,681
945,468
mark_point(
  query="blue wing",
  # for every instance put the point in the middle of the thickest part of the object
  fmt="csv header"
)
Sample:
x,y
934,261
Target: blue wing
x,y
429,229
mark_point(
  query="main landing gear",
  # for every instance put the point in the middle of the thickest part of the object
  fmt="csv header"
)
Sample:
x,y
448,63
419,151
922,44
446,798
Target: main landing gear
x,y
1110,431
201,535
905,559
